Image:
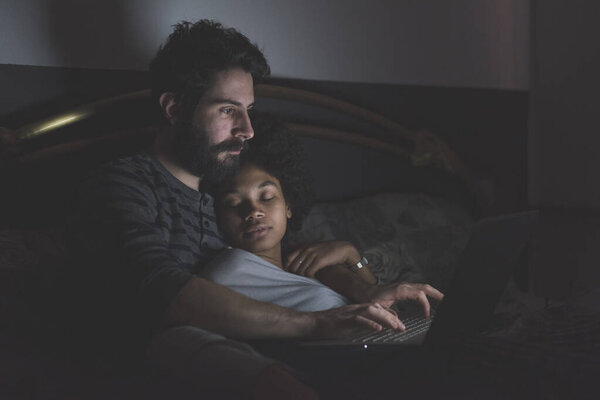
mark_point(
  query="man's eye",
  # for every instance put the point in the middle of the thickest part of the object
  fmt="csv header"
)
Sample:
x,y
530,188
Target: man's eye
x,y
267,198
227,110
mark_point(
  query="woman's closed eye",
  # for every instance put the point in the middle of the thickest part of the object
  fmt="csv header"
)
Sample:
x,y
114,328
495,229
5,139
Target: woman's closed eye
x,y
268,195
230,203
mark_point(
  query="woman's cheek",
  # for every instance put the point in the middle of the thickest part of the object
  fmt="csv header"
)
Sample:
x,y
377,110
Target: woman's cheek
x,y
229,228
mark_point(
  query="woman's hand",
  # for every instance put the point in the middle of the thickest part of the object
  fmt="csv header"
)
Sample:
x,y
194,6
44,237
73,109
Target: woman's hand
x,y
309,259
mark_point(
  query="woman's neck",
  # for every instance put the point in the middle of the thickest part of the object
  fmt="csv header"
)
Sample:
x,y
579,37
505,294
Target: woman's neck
x,y
273,256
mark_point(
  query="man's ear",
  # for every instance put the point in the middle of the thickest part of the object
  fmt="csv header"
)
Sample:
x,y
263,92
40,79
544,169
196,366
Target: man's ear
x,y
288,212
169,106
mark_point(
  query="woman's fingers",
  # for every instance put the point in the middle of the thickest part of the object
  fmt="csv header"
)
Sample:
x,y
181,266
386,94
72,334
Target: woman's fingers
x,y
310,262
305,260
308,259
296,264
291,258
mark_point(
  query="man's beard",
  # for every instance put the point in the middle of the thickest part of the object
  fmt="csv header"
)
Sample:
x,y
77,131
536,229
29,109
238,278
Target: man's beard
x,y
192,150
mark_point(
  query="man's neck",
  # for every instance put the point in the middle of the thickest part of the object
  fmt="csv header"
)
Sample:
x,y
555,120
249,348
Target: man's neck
x,y
189,180
164,154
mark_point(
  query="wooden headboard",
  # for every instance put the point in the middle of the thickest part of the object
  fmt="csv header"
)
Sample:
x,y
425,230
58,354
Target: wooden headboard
x,y
37,154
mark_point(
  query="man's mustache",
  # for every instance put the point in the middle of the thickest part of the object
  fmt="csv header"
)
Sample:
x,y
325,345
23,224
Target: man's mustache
x,y
229,145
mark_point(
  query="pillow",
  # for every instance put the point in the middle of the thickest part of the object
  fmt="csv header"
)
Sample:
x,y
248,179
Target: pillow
x,y
405,237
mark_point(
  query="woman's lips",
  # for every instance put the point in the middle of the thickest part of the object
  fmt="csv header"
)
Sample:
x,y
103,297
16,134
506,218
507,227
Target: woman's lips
x,y
257,230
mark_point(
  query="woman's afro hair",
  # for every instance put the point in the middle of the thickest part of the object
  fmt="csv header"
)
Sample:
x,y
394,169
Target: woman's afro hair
x,y
281,154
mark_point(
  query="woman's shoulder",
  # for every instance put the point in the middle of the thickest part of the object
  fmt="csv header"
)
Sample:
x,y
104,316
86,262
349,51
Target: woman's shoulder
x,y
234,254
231,261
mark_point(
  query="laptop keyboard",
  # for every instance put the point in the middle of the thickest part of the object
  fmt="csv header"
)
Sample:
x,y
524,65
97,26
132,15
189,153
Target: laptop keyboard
x,y
415,325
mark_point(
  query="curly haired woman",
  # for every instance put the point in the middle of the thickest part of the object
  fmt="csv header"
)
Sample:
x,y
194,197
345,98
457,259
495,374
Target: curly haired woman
x,y
270,194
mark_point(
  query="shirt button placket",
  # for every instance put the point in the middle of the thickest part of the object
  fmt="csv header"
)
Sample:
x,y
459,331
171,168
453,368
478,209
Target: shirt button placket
x,y
203,221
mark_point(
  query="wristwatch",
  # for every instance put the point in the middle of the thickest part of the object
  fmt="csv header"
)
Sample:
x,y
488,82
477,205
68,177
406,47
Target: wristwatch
x,y
363,262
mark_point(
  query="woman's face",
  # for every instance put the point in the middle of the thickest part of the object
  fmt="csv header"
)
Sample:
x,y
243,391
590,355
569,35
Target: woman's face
x,y
252,212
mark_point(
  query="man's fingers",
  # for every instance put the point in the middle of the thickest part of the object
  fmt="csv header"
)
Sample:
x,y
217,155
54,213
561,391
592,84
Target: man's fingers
x,y
380,314
415,292
367,322
422,298
424,291
391,310
433,292
337,322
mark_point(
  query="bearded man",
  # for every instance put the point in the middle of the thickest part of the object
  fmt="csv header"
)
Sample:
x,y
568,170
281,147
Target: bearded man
x,y
145,224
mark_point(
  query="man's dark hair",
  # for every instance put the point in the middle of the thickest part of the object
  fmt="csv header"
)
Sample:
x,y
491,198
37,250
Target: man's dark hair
x,y
192,55
281,154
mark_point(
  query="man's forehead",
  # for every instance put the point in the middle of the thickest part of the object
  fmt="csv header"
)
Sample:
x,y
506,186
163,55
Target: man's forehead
x,y
231,86
218,100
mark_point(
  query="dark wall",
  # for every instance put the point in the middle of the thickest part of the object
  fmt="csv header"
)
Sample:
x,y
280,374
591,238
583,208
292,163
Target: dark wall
x,y
486,127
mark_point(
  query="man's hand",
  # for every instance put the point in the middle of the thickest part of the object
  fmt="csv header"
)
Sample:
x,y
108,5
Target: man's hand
x,y
309,259
336,322
216,308
387,295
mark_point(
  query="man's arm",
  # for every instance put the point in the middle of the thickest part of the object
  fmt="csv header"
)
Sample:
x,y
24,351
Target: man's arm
x,y
219,309
347,283
119,238
329,262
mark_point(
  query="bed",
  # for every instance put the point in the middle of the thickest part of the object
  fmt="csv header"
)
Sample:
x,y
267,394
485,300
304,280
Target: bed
x,y
403,197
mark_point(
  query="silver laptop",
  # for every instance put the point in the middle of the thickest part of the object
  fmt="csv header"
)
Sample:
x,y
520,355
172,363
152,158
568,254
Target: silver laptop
x,y
494,250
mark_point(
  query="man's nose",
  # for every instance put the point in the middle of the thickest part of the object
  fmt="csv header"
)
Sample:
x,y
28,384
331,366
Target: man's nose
x,y
244,128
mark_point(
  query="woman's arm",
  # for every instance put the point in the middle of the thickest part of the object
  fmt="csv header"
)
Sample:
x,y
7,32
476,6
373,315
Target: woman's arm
x,y
329,261
310,259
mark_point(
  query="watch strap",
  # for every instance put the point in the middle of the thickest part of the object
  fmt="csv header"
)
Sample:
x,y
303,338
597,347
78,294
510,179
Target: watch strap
x,y
362,263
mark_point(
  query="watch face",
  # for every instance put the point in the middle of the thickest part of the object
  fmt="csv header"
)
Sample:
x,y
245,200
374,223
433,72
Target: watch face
x,y
363,261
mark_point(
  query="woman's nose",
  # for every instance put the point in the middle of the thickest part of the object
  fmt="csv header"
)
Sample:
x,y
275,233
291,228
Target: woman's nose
x,y
253,212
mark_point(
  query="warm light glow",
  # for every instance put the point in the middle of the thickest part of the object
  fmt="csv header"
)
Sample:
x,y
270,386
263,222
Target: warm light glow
x,y
57,123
